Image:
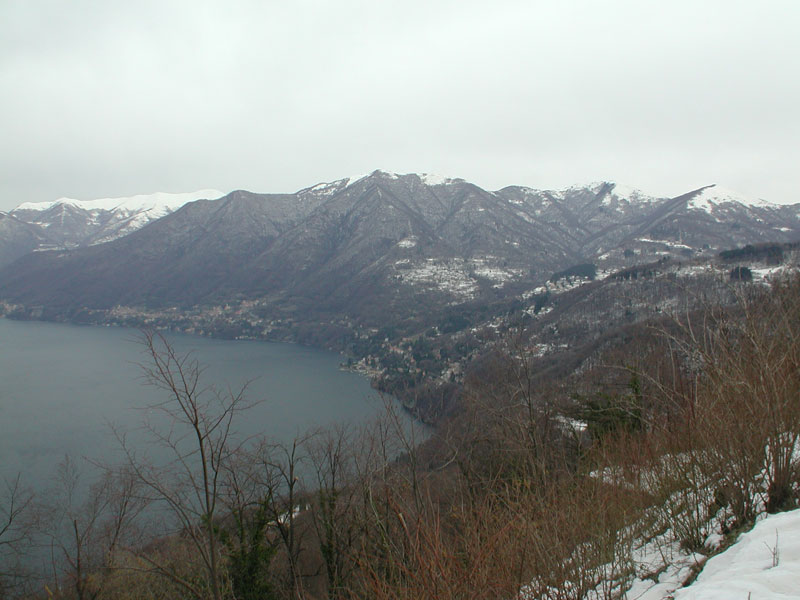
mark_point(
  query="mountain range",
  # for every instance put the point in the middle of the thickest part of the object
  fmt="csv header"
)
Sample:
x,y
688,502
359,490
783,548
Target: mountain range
x,y
362,247
68,223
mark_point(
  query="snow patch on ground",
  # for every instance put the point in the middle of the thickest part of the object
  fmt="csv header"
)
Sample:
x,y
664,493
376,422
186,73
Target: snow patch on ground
x,y
534,292
761,564
539,350
764,564
766,273
696,270
669,243
408,242
566,283
526,217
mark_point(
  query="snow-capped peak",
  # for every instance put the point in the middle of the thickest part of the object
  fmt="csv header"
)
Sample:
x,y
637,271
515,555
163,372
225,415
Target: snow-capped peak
x,y
433,179
626,192
619,191
715,195
354,178
426,178
382,173
328,188
592,186
159,202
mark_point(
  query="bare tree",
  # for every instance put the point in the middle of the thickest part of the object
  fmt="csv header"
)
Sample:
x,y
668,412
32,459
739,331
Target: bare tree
x,y
252,498
334,454
196,431
280,467
81,528
15,504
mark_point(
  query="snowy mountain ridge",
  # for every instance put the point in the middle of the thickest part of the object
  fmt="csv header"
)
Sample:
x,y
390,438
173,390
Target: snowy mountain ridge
x,y
69,223
423,234
158,202
426,178
714,195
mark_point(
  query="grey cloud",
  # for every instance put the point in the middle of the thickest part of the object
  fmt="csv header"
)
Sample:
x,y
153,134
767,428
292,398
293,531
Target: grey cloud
x,y
116,98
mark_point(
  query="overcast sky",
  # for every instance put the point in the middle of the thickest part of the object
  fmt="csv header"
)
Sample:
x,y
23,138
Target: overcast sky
x,y
105,98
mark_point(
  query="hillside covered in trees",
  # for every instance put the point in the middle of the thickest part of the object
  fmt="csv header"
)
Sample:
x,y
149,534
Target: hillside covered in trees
x,y
549,479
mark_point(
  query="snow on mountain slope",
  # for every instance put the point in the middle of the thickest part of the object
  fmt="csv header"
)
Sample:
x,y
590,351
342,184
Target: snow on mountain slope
x,y
764,564
434,179
714,195
617,195
159,203
631,194
326,188
71,223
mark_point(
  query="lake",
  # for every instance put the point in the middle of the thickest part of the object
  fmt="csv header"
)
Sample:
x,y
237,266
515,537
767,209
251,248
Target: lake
x,y
62,385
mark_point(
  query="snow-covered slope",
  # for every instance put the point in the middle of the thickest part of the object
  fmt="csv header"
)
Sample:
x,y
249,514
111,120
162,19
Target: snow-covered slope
x,y
70,223
434,179
331,187
158,203
764,564
386,232
631,194
715,195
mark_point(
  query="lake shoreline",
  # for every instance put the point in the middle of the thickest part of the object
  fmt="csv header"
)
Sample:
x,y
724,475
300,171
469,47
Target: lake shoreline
x,y
62,383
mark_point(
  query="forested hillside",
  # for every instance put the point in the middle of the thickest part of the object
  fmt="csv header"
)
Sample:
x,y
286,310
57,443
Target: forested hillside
x,y
552,480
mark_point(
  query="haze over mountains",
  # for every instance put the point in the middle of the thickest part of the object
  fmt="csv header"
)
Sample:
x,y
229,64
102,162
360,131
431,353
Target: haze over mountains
x,y
352,245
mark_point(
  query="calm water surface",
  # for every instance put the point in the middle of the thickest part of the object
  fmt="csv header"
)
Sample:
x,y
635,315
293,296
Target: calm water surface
x,y
61,386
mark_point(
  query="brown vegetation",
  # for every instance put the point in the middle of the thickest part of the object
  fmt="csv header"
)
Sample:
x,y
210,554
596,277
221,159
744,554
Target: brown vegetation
x,y
534,490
